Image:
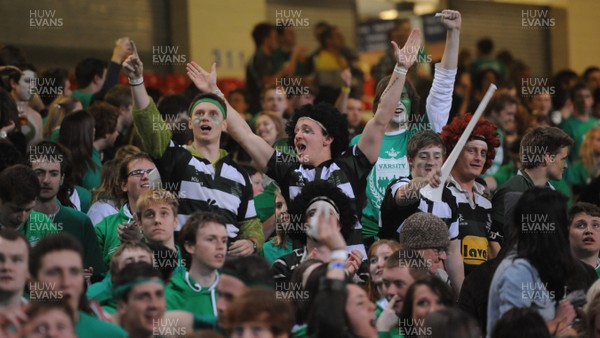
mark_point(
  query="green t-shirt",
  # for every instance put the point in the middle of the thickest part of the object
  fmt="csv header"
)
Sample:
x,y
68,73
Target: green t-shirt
x,y
183,293
92,327
272,252
577,129
85,98
37,227
80,226
91,177
391,164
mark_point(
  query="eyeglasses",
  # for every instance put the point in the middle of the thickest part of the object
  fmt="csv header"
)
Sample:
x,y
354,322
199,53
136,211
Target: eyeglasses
x,y
140,172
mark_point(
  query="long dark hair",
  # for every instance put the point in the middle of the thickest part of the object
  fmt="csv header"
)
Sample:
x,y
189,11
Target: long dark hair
x,y
437,286
77,134
8,109
543,237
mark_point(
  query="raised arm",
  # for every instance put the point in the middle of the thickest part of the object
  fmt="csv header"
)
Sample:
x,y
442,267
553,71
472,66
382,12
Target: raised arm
x,y
370,142
439,100
145,114
121,51
342,101
134,69
259,149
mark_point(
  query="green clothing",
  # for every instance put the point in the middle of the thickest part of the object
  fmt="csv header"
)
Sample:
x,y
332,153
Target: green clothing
x,y
520,182
577,129
283,146
272,252
499,158
85,198
484,63
280,57
391,164
54,135
221,186
91,177
509,170
563,187
85,98
102,293
37,227
183,293
80,226
577,174
107,232
390,334
265,202
102,290
299,331
504,173
598,271
92,327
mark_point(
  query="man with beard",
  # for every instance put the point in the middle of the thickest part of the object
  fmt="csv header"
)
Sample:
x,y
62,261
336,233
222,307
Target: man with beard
x,y
392,161
49,161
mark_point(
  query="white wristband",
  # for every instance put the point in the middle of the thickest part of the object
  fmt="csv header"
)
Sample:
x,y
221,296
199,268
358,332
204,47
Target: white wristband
x,y
400,70
219,93
136,82
338,255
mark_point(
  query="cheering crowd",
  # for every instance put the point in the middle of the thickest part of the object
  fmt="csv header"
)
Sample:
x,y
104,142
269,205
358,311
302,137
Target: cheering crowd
x,y
276,210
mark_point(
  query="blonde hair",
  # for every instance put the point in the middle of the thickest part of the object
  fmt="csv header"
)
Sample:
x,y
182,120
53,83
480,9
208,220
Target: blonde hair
x,y
58,109
586,152
126,151
150,197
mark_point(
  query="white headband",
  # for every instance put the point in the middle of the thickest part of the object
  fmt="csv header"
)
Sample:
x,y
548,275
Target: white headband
x,y
315,121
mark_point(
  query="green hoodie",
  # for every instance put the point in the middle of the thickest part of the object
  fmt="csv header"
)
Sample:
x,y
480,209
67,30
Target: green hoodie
x,y
107,232
102,292
183,293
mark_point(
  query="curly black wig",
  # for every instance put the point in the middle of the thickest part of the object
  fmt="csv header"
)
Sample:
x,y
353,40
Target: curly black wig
x,y
298,206
335,123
